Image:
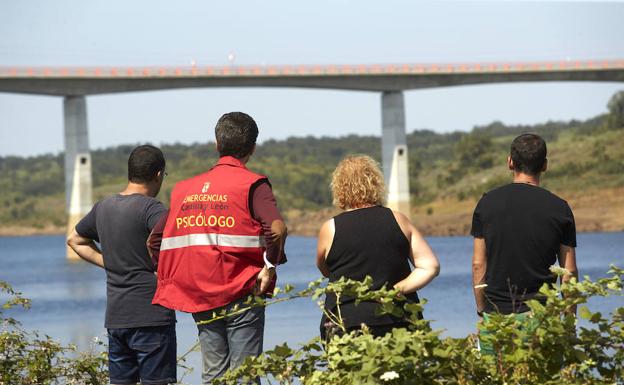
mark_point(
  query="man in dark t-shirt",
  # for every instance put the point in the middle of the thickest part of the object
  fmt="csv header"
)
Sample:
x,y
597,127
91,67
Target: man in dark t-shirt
x,y
142,340
519,231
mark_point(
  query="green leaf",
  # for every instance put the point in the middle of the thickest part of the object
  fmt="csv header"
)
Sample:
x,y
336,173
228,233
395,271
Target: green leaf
x,y
595,318
584,312
580,355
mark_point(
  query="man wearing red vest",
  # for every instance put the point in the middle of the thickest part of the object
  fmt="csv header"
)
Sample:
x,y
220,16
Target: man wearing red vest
x,y
220,242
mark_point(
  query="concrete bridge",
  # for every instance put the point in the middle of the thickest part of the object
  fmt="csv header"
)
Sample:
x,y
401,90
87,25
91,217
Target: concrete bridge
x,y
75,83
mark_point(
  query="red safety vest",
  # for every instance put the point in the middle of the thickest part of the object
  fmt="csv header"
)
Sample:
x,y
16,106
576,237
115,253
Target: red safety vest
x,y
212,248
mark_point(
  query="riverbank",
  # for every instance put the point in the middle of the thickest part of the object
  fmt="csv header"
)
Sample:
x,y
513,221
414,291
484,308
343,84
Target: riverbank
x,y
23,231
594,211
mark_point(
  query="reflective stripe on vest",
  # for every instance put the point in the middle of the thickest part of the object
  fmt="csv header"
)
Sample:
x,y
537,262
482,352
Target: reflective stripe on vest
x,y
212,239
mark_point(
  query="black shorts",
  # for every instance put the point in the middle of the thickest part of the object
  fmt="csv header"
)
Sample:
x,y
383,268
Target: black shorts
x,y
143,354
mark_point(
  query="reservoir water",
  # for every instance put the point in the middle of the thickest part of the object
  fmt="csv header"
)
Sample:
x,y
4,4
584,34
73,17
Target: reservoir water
x,y
68,299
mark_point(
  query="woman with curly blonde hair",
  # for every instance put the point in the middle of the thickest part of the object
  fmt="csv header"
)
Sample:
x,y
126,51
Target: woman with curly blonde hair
x,y
369,239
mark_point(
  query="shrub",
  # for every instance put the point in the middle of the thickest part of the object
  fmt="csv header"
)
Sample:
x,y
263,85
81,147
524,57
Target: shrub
x,y
27,357
556,352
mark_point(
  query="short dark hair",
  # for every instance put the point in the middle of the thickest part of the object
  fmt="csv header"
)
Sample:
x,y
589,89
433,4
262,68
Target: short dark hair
x,y
236,134
144,163
528,153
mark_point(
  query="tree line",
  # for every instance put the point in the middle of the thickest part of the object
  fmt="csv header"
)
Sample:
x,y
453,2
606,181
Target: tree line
x,y
300,167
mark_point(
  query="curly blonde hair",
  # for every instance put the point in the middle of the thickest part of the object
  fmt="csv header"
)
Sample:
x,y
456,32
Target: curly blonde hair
x,y
357,181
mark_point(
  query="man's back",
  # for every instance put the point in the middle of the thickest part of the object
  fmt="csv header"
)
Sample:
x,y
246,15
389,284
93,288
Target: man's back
x,y
141,336
122,224
523,227
222,247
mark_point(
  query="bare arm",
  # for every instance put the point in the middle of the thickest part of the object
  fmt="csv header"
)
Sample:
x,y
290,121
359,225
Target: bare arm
x,y
155,239
265,211
85,248
426,264
567,260
479,265
279,232
277,239
325,239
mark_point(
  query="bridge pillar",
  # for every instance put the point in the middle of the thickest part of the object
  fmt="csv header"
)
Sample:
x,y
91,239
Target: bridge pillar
x,y
394,151
78,194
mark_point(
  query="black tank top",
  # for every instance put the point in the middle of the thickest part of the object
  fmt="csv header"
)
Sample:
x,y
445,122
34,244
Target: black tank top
x,y
367,241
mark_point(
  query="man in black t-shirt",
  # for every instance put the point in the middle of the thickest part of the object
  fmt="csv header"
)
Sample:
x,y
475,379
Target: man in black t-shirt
x,y
142,339
519,231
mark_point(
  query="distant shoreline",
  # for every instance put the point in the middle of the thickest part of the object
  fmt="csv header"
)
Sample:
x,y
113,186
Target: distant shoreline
x,y
440,222
25,231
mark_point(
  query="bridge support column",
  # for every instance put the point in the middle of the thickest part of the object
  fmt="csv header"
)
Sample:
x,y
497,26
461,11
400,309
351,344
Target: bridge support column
x,y
394,151
78,190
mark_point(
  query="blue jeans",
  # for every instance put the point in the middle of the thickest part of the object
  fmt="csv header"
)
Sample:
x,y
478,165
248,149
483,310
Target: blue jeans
x,y
226,343
146,354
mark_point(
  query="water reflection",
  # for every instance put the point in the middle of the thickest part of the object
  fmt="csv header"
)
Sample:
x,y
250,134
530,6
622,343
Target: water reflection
x,y
80,291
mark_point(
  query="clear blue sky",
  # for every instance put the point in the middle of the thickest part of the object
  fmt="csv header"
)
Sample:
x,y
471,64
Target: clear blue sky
x,y
292,32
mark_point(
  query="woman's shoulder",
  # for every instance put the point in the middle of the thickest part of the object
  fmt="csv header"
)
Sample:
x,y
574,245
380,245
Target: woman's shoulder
x,y
403,221
399,216
328,227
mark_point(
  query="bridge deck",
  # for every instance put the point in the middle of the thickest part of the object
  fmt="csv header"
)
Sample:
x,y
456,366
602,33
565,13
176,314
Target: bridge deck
x,y
387,77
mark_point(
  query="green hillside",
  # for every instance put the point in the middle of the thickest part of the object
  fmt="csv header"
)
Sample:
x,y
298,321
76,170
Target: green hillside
x,y
451,167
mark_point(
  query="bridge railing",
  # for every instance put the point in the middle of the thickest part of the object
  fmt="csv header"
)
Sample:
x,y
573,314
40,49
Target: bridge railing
x,y
306,70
